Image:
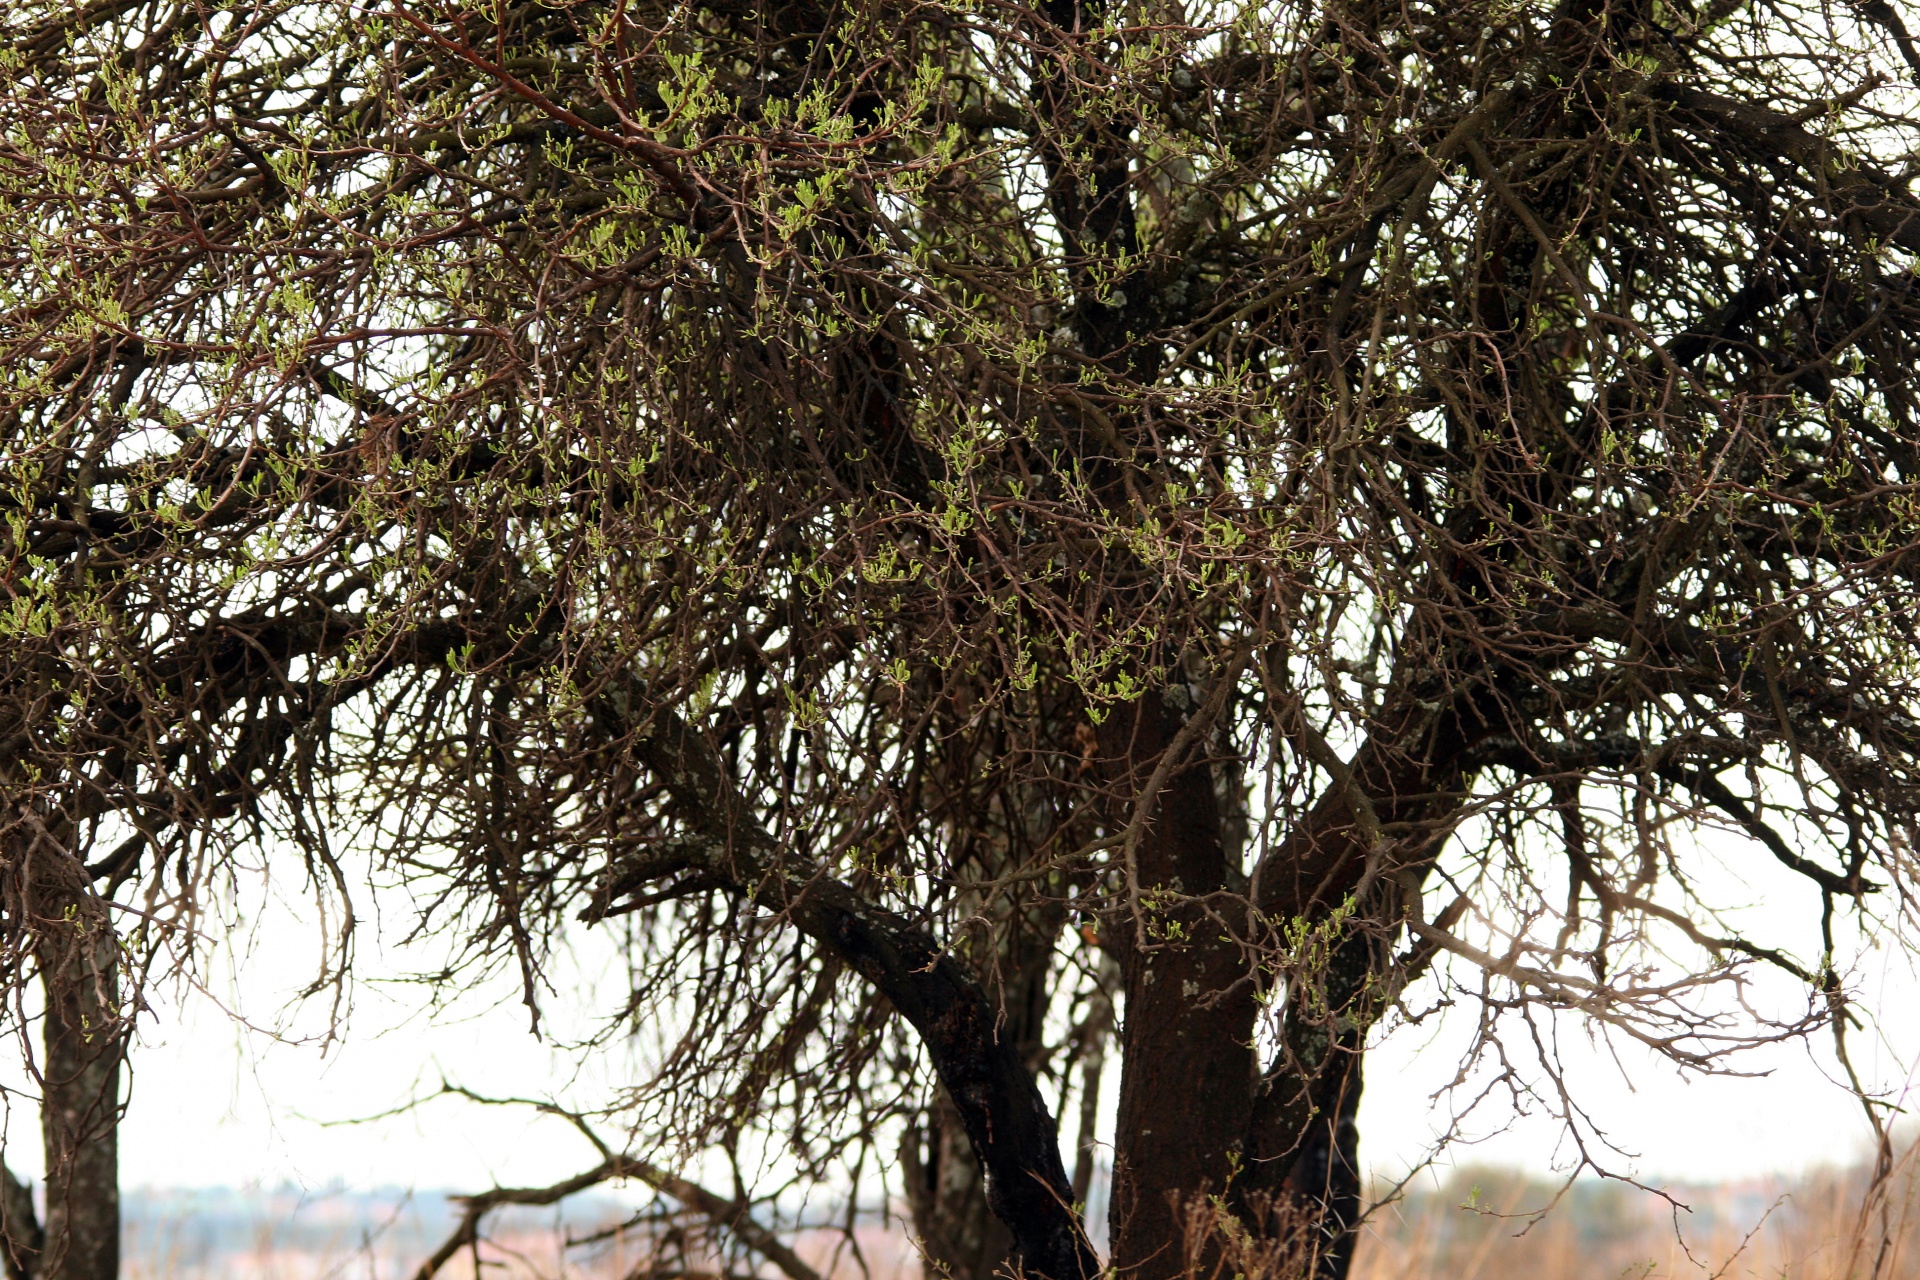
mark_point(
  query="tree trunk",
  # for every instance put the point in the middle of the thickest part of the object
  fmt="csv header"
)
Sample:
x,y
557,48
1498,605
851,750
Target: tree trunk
x,y
1187,1064
947,1194
1313,1105
50,902
19,1227
1202,1130
1325,1178
80,1108
946,1189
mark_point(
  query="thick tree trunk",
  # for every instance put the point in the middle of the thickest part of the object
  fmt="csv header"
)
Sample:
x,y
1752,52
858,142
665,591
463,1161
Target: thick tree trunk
x,y
1198,1119
1187,1064
1201,1132
80,1108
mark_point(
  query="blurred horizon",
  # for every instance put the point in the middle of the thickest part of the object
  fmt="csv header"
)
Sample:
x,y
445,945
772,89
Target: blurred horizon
x,y
1477,1222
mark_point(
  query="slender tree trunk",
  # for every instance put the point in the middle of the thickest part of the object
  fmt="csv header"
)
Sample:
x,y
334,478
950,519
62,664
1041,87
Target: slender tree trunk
x,y
80,1110
946,1187
1326,1176
1319,1091
947,1194
50,899
19,1227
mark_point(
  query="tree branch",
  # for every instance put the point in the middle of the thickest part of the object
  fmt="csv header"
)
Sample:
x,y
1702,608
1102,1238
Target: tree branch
x,y
1717,794
722,1212
1014,1135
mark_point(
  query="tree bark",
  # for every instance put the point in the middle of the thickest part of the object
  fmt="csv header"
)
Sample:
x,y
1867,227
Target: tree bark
x,y
80,1107
1187,1064
1325,1177
1304,1145
50,898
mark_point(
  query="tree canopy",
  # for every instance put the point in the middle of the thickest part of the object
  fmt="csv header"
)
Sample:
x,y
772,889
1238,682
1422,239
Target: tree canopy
x,y
966,527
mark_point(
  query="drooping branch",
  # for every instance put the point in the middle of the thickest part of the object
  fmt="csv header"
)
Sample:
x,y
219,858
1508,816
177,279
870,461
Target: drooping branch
x,y
1013,1132
1717,793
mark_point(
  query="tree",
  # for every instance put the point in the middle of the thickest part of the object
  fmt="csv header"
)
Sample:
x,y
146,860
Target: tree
x,y
964,528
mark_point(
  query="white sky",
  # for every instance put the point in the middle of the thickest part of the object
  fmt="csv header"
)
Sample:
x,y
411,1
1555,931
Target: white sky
x,y
1787,1111
214,1103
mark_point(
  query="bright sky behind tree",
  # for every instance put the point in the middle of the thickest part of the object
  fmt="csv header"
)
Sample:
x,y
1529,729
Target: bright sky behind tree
x,y
217,1103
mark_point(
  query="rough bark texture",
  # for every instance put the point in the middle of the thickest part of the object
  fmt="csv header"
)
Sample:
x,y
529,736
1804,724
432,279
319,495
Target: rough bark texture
x,y
1311,1104
1187,1064
1197,1116
63,923
1326,1174
80,1109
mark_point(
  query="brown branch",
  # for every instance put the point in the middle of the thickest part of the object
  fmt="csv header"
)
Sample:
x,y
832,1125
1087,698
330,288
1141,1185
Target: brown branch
x,y
1013,1133
662,160
1856,186
1716,793
729,1215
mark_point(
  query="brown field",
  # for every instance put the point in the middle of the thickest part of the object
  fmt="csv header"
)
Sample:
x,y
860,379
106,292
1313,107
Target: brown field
x,y
1477,1226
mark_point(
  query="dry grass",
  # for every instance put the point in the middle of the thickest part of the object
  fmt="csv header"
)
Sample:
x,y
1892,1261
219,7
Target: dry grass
x,y
1480,1226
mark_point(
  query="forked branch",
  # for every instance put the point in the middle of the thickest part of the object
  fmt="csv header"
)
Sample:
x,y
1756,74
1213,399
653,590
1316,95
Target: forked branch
x,y
727,1215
